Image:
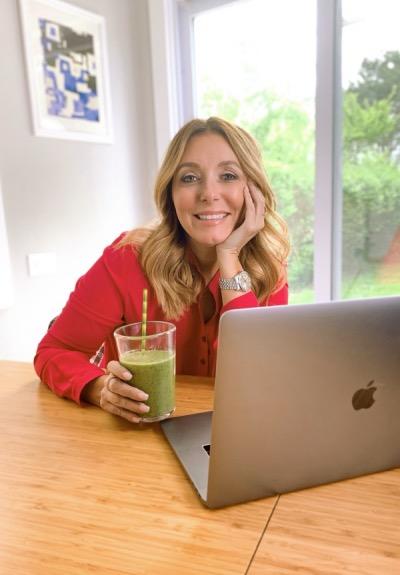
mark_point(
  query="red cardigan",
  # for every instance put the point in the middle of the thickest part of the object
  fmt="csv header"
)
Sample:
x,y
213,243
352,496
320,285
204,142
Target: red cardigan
x,y
109,295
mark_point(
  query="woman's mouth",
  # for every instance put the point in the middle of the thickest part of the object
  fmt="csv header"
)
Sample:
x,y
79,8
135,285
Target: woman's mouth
x,y
215,217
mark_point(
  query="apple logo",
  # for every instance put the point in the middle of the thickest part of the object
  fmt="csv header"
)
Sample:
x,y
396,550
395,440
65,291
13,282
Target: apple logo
x,y
364,397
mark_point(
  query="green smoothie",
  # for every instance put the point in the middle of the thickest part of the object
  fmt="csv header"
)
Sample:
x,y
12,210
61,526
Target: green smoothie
x,y
153,372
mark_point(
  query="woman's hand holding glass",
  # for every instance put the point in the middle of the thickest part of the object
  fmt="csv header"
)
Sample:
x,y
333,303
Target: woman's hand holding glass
x,y
114,394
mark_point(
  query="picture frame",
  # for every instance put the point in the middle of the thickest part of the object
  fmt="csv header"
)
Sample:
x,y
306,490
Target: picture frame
x,y
67,68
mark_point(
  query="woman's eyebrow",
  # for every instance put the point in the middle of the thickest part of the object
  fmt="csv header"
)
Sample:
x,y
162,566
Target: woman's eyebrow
x,y
223,164
230,163
187,165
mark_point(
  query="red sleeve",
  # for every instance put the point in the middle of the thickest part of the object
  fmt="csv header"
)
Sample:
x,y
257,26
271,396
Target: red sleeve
x,y
249,299
93,310
243,301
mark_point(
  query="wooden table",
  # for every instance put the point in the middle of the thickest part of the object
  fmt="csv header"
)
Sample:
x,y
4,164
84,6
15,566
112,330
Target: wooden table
x,y
84,492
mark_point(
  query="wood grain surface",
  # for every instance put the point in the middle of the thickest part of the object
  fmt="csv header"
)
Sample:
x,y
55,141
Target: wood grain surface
x,y
347,528
82,492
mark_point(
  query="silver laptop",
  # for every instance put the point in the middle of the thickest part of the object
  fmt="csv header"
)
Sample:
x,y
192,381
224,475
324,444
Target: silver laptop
x,y
304,395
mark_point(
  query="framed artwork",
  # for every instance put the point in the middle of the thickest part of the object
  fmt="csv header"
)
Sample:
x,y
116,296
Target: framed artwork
x,y
66,59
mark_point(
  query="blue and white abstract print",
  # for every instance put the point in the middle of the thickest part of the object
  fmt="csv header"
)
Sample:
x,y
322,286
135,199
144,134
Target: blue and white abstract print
x,y
69,67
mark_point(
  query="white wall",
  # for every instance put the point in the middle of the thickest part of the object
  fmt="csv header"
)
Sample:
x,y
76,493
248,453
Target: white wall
x,y
68,197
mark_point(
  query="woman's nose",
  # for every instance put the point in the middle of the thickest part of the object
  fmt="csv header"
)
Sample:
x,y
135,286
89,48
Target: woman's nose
x,y
209,191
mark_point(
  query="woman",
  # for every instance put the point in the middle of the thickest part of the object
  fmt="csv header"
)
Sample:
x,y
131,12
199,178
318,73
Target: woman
x,y
218,245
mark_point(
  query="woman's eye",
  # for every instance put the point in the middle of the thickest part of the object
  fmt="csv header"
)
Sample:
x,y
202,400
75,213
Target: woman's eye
x,y
227,176
188,178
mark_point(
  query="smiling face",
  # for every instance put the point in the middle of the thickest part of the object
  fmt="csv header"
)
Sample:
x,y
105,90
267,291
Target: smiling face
x,y
207,191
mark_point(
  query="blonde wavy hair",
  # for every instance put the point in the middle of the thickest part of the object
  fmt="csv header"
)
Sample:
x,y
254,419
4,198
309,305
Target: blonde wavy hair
x,y
162,245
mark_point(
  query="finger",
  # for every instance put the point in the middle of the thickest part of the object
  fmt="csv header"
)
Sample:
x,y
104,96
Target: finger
x,y
250,206
108,397
115,368
125,402
258,199
120,388
120,411
260,207
255,207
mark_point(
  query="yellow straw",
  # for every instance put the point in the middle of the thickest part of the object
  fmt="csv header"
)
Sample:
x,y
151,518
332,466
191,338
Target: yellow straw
x,y
144,318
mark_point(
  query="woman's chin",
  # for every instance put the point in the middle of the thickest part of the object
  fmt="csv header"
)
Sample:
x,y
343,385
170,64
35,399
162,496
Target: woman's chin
x,y
207,243
218,237
215,241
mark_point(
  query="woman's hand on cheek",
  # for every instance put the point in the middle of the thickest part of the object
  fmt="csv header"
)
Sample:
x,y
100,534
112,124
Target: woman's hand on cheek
x,y
254,206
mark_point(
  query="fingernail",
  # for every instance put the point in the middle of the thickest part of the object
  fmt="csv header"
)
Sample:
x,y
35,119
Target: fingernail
x,y
127,375
145,408
143,396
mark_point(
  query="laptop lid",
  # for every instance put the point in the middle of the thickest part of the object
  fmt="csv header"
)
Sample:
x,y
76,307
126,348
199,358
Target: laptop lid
x,y
304,395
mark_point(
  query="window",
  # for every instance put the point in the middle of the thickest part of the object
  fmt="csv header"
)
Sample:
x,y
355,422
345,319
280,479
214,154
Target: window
x,y
325,108
246,71
371,148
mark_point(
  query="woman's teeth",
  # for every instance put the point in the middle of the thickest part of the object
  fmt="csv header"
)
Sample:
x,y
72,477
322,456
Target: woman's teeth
x,y
211,217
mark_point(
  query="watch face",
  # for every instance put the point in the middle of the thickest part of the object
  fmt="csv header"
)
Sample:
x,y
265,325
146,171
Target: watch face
x,y
244,281
239,282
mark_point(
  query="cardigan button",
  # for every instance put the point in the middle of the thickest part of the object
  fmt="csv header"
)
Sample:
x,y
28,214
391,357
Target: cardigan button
x,y
203,361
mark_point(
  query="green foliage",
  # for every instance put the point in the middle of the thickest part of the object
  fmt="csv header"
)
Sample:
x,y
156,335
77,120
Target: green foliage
x,y
365,285
373,125
380,81
371,178
285,133
371,171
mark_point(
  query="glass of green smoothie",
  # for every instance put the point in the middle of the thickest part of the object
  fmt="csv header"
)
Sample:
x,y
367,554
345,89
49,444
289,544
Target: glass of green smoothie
x,y
149,354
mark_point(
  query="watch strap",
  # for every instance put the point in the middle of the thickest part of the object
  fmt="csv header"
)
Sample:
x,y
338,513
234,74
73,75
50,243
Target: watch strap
x,y
240,282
